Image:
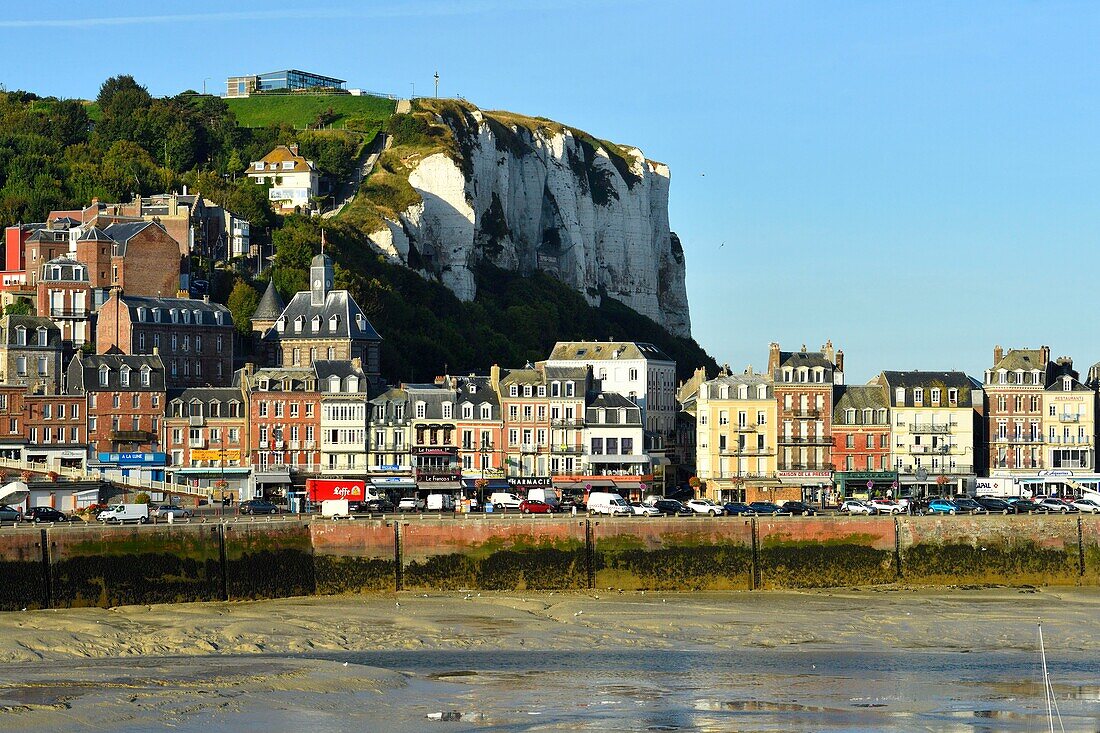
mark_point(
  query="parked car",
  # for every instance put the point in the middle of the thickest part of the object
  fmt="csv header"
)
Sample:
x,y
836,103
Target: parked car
x,y
1055,505
44,514
854,506
372,506
177,512
644,510
737,508
504,500
887,506
258,506
672,508
410,504
705,506
1024,506
992,504
765,508
966,505
942,506
1088,506
798,508
9,514
535,506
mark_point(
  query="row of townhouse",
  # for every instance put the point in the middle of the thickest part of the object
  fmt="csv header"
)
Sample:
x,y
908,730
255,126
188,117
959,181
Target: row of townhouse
x,y
797,431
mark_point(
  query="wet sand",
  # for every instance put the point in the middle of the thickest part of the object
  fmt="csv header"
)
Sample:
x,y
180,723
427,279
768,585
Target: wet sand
x,y
604,660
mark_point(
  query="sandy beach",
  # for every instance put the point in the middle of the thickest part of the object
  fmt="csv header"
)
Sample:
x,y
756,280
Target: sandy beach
x,y
228,666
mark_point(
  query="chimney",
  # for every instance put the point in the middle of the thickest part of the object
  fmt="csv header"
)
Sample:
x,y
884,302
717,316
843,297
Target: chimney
x,y
773,357
827,350
494,377
249,369
1044,355
357,362
998,354
840,361
293,148
156,351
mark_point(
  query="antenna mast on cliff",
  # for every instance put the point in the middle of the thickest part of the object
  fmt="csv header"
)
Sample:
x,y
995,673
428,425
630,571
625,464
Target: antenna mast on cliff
x,y
437,84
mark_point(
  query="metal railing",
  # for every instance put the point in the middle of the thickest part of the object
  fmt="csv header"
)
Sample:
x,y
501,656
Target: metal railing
x,y
809,413
929,428
1069,418
746,451
128,482
805,440
806,467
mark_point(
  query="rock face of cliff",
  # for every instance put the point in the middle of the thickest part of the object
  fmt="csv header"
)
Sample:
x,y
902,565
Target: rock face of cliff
x,y
528,194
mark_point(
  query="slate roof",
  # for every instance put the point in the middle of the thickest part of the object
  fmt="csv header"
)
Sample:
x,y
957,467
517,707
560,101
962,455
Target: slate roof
x,y
83,373
566,373
325,370
271,306
600,350
611,400
11,323
95,234
123,232
1021,360
928,380
338,303
522,376
736,380
859,397
483,394
204,312
808,359
69,268
208,394
276,157
300,378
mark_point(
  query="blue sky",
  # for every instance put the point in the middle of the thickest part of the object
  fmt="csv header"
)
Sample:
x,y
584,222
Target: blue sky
x,y
916,181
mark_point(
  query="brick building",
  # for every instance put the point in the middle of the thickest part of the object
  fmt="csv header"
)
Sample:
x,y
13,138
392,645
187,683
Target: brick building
x,y
206,438
285,425
861,442
12,437
480,435
139,257
1014,388
126,401
525,405
64,295
803,382
55,426
194,337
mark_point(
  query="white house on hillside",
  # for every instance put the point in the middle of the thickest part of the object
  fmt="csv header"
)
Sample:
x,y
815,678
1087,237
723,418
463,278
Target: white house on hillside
x,y
294,180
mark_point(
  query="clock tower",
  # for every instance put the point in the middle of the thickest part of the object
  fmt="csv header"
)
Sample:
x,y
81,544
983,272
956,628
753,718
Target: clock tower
x,y
320,279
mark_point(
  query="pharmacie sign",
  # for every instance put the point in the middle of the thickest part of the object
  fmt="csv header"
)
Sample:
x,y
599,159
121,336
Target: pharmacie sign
x,y
529,482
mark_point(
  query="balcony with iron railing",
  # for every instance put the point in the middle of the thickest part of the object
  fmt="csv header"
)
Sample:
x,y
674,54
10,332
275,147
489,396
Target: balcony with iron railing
x,y
568,422
805,440
746,451
567,449
56,312
805,413
930,429
1066,417
1071,440
130,436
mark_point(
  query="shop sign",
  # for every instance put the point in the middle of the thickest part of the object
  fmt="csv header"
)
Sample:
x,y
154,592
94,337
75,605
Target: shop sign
x,y
198,454
529,482
133,459
320,489
827,475
437,478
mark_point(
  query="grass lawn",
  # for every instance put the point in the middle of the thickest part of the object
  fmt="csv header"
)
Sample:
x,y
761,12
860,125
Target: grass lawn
x,y
352,113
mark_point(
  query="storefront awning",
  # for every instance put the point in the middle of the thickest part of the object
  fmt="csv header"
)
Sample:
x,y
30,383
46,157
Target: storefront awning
x,y
272,477
629,460
393,483
196,471
492,483
439,485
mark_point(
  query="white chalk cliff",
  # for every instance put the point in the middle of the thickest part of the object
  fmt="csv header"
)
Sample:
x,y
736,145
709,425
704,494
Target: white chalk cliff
x,y
543,197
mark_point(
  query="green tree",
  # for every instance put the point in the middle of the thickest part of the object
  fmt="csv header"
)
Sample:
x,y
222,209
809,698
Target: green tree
x,y
19,307
127,168
242,303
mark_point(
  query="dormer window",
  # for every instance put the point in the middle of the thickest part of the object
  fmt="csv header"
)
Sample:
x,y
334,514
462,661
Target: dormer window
x,y
899,396
1067,384
156,315
542,390
258,165
219,317
215,409
918,396
145,376
527,391
288,165
104,375
513,391
936,394
315,324
472,388
42,337
761,392
421,410
333,324
486,412
20,336
353,384
175,315
850,416
743,392
198,315
569,389
124,376
280,324
142,314
467,411
334,383
298,324
953,396
448,409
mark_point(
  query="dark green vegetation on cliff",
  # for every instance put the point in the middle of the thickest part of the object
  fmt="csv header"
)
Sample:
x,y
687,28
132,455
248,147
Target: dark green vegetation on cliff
x,y
513,319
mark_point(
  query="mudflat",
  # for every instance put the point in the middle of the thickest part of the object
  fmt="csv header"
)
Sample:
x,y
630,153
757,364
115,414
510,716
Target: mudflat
x,y
887,658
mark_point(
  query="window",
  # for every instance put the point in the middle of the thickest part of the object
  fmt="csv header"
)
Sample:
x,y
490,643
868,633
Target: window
x,y
633,375
104,375
935,395
447,407
597,446
486,412
467,412
20,336
870,442
42,337
918,395
124,376
421,410
145,374
43,365
899,395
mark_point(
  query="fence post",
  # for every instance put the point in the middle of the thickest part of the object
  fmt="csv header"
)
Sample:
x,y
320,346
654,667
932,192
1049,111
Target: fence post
x,y
1080,548
897,548
223,560
754,583
398,569
47,580
590,554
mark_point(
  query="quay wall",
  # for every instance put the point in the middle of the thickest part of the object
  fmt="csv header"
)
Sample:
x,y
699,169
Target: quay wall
x,y
88,565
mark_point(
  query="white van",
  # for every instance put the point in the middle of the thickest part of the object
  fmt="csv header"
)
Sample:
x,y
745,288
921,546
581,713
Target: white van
x,y
504,500
441,503
602,502
119,513
547,496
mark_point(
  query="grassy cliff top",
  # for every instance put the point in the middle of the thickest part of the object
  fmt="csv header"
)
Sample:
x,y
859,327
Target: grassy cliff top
x,y
299,110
